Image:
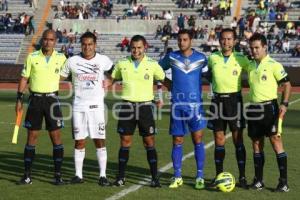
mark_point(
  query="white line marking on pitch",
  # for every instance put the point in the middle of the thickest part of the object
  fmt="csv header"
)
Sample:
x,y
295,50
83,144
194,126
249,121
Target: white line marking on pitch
x,y
140,184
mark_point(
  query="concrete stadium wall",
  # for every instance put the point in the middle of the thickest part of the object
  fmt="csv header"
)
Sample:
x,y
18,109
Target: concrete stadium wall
x,y
127,27
11,73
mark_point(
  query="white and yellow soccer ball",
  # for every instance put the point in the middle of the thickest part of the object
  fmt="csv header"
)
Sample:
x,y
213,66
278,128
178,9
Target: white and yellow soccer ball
x,y
225,182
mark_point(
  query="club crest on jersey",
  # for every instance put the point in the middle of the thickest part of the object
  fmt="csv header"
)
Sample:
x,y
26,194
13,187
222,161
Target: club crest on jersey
x,y
87,77
264,77
235,72
56,71
146,77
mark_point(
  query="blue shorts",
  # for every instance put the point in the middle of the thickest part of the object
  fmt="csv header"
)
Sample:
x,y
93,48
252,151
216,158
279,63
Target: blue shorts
x,y
186,119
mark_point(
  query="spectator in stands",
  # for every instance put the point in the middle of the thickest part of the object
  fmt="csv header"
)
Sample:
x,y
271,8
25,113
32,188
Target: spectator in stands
x,y
167,30
168,15
31,26
4,5
296,51
280,6
234,23
180,21
286,46
70,50
125,44
242,25
63,50
175,30
272,15
192,21
159,32
278,45
71,36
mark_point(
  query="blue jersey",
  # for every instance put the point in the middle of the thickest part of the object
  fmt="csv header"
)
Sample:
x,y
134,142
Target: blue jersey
x,y
186,75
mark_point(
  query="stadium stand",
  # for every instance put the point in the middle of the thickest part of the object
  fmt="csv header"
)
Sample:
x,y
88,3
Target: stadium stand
x,y
206,18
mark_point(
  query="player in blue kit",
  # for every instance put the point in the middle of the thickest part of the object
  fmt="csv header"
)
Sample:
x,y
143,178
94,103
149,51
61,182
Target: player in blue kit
x,y
187,114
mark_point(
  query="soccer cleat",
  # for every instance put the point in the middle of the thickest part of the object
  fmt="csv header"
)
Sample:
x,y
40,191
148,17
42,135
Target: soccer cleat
x,y
76,180
213,183
103,181
58,180
243,183
282,187
199,184
155,183
25,180
176,182
119,182
257,185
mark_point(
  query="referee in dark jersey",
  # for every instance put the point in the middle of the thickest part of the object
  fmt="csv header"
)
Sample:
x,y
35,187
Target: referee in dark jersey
x,y
42,71
264,76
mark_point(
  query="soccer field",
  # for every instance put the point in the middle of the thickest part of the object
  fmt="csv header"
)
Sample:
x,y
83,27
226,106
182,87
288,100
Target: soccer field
x,y
11,163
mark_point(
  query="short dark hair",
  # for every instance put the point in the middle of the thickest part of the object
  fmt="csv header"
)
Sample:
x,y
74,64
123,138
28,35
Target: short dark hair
x,y
46,32
88,34
185,31
260,37
225,30
137,38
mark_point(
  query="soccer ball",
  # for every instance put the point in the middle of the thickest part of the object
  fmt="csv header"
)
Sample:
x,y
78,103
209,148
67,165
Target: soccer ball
x,y
225,182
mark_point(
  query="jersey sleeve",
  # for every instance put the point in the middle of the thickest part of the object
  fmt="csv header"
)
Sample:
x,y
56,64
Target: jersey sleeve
x,y
27,67
244,63
205,66
209,62
279,72
165,62
66,69
158,72
108,63
116,74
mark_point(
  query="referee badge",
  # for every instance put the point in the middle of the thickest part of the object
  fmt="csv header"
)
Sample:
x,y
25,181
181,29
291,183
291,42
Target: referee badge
x,y
146,77
235,72
264,77
151,130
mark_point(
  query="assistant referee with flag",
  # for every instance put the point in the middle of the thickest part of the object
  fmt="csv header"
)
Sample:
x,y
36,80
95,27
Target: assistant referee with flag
x,y
264,76
42,71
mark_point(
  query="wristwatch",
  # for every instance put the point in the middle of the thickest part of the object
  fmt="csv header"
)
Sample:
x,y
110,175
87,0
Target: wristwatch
x,y
285,103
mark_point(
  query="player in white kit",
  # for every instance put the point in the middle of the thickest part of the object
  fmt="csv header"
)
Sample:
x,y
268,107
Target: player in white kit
x,y
88,79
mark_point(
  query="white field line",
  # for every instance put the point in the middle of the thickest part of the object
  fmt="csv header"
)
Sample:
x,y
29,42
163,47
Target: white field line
x,y
165,168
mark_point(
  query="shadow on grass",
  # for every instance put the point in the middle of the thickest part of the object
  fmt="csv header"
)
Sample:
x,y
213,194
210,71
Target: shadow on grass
x,y
11,169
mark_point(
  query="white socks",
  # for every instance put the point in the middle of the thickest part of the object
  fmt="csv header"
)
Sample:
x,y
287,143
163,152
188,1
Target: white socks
x,y
79,155
102,160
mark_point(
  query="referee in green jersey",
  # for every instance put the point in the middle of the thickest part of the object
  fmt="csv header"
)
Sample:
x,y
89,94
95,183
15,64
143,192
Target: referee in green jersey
x,y
226,107
42,71
137,73
265,74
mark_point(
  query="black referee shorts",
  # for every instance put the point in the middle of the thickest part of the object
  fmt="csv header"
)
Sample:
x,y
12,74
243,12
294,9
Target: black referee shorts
x,y
226,109
262,119
42,105
134,114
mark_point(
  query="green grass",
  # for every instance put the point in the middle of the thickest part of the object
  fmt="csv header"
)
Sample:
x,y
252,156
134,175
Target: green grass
x,y
11,163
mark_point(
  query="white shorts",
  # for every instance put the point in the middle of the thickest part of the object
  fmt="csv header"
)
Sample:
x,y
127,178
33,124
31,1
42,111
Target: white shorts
x,y
88,123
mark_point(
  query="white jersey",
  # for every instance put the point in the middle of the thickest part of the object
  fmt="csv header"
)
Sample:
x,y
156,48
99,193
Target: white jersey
x,y
87,79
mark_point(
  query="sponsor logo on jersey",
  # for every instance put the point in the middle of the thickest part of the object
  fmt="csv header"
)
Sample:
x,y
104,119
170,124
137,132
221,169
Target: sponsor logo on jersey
x,y
75,130
87,77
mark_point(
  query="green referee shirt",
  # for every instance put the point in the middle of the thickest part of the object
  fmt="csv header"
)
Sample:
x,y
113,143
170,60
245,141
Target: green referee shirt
x,y
263,79
226,76
43,75
138,81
